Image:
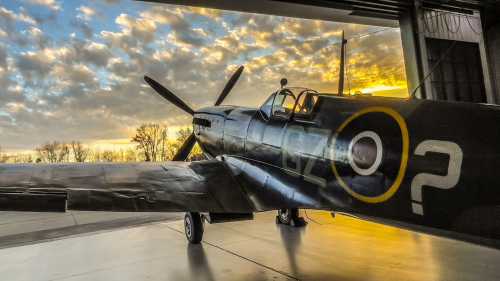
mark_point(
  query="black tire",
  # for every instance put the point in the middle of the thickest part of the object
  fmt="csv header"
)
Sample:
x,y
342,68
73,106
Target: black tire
x,y
193,227
285,216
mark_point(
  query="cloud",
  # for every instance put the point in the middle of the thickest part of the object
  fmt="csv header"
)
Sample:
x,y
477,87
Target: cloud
x,y
75,74
36,35
186,39
34,64
209,13
15,107
51,4
85,13
92,88
112,2
140,28
3,57
9,20
12,91
182,31
37,65
84,27
118,67
95,53
8,17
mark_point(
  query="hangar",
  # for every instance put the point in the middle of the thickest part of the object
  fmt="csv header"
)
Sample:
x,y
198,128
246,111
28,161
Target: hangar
x,y
428,29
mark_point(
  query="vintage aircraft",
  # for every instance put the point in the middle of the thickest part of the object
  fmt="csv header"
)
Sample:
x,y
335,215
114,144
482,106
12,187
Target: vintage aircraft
x,y
424,163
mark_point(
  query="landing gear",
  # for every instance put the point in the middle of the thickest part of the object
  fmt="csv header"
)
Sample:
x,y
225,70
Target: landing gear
x,y
290,217
193,227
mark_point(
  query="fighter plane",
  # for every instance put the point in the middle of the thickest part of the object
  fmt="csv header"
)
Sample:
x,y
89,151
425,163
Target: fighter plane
x,y
410,162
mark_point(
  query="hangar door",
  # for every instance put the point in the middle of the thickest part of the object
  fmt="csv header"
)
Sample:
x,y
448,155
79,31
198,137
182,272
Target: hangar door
x,y
459,77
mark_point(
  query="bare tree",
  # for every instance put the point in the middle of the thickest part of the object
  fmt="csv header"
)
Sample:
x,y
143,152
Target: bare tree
x,y
47,153
53,152
130,155
95,155
182,135
80,153
21,158
63,153
152,141
3,158
108,156
15,157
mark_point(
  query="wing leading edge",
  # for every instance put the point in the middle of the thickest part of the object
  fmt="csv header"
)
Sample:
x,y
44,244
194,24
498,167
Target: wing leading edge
x,y
202,186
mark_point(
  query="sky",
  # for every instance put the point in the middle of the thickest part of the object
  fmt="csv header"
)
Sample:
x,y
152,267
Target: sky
x,y
73,70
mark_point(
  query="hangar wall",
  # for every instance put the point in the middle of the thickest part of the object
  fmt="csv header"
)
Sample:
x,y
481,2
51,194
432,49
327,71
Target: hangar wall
x,y
447,56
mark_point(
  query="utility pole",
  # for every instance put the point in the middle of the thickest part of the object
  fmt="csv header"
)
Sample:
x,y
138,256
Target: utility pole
x,y
342,65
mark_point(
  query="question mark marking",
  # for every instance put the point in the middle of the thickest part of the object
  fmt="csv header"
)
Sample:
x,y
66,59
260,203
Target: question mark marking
x,y
442,182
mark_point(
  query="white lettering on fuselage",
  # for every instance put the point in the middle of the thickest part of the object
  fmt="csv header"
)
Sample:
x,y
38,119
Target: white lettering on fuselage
x,y
448,181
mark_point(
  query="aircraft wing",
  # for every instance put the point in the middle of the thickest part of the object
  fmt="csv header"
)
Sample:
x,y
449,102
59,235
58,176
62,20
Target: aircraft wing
x,y
203,186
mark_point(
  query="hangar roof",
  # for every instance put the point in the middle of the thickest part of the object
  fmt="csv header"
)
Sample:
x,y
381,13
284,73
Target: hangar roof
x,y
373,12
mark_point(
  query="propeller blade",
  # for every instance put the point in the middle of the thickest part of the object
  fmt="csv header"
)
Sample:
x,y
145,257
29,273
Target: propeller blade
x,y
165,93
230,84
183,152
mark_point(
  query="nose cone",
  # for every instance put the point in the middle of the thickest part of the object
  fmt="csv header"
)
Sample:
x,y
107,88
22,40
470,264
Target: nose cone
x,y
208,126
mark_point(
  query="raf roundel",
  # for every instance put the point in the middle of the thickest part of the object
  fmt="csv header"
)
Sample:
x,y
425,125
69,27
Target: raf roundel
x,y
370,154
365,153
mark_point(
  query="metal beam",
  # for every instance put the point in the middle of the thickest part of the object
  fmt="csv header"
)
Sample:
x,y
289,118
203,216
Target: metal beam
x,y
374,12
338,11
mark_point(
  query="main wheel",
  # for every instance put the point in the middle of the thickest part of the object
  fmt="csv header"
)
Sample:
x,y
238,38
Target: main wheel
x,y
290,217
285,216
193,227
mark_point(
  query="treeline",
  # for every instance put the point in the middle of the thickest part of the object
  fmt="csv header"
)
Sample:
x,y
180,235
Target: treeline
x,y
151,140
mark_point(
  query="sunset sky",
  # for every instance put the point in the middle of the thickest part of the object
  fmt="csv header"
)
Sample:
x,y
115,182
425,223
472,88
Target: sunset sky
x,y
73,70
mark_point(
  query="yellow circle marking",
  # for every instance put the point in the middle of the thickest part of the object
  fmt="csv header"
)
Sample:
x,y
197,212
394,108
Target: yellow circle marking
x,y
404,158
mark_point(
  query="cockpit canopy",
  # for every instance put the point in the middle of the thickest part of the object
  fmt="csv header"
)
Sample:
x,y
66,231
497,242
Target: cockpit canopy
x,y
290,101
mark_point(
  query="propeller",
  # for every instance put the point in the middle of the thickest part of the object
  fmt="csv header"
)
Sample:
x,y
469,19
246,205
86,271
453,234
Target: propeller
x,y
168,95
229,85
183,152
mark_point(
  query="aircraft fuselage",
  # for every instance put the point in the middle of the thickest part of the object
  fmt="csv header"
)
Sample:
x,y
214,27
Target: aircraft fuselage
x,y
418,161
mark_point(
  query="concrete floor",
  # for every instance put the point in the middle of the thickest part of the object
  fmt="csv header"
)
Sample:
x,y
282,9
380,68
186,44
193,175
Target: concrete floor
x,y
327,249
17,228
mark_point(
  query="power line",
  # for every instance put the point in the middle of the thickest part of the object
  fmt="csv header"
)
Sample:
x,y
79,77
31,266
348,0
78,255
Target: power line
x,y
438,63
370,33
364,35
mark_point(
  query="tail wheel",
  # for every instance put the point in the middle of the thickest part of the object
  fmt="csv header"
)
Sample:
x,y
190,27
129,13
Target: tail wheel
x,y
193,227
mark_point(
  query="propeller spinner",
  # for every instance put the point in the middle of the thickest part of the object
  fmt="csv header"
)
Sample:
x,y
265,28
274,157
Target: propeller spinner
x,y
183,153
